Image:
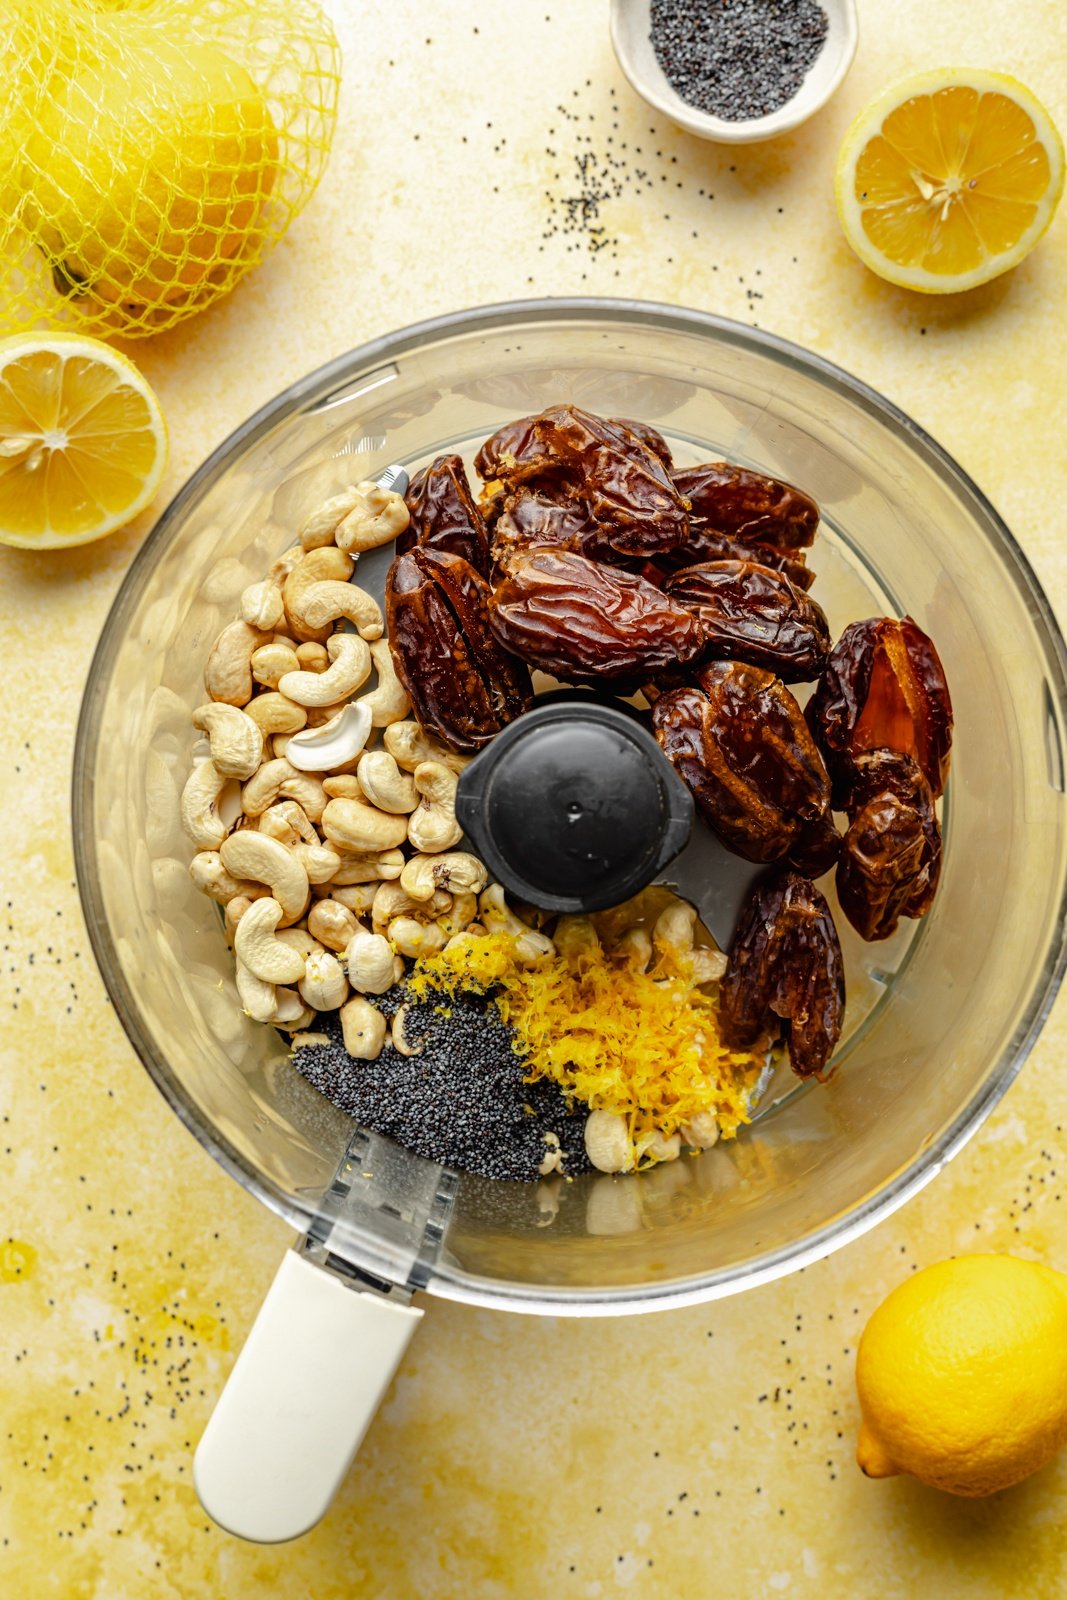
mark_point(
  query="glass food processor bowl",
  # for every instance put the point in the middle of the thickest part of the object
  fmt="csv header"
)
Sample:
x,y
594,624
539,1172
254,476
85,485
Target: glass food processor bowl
x,y
940,1017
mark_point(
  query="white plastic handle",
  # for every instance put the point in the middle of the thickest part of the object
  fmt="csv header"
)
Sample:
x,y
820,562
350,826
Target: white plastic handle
x,y
300,1398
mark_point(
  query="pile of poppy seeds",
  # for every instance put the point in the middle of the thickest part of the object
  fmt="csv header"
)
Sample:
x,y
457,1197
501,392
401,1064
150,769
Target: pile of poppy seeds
x,y
461,1100
737,59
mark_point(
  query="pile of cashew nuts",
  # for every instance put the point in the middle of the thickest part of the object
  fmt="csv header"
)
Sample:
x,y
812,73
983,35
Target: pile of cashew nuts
x,y
331,881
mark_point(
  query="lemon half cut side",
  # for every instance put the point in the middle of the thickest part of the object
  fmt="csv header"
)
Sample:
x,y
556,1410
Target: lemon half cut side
x,y
949,179
83,443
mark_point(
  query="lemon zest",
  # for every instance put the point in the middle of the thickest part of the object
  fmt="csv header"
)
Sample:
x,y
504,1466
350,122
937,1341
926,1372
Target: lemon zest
x,y
645,1045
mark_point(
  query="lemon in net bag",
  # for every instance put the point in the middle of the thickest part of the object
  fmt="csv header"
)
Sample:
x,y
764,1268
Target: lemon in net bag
x,y
152,152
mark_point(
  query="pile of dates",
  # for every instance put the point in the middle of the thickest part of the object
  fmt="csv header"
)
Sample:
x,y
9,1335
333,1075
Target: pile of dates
x,y
590,557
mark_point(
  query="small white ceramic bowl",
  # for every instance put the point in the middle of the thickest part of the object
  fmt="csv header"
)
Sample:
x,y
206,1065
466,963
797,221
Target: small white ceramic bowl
x,y
630,36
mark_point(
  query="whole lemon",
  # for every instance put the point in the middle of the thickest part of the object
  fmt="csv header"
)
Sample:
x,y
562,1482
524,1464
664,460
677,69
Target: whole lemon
x,y
962,1375
149,166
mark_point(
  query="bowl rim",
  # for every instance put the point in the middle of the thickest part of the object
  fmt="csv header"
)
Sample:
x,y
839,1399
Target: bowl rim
x,y
557,1300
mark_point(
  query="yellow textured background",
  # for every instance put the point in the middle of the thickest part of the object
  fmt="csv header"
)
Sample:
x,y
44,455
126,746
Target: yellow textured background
x,y
687,1454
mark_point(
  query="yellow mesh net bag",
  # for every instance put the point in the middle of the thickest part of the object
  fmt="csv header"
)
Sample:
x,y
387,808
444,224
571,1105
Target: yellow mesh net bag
x,y
152,152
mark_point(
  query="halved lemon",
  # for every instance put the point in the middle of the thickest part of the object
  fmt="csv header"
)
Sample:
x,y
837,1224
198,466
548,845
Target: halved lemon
x,y
83,444
949,179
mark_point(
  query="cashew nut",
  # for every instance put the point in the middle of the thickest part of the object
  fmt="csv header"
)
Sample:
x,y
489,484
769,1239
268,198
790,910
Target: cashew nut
x,y
290,1010
321,716
459,916
301,939
370,962
372,866
362,1028
280,568
357,897
411,746
553,1158
377,516
635,948
607,1141
319,528
458,941
287,822
327,601
348,723
674,927
663,1147
401,1038
292,1014
211,878
389,701
355,826
312,657
266,1002
199,808
343,786
261,605
701,1131
575,936
455,870
236,741
674,930
319,861
307,791
278,779
248,854
350,667
228,673
432,826
498,917
273,713
415,939
235,910
314,566
324,985
272,661
392,900
708,965
383,783
256,996
333,924
254,943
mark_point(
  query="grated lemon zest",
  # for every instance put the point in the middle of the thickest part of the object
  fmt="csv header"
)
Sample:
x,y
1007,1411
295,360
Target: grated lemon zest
x,y
642,1044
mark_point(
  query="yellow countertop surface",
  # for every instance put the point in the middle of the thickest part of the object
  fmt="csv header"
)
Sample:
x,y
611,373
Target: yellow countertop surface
x,y
690,1453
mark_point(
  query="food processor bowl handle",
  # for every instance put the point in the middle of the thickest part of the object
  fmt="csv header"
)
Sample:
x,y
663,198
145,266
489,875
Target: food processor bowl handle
x,y
300,1397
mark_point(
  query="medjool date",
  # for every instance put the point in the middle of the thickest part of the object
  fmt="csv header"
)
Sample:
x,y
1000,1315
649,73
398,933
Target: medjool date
x,y
785,962
649,436
891,855
625,484
444,515
752,613
708,546
747,506
739,740
531,518
816,848
884,688
585,622
463,686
